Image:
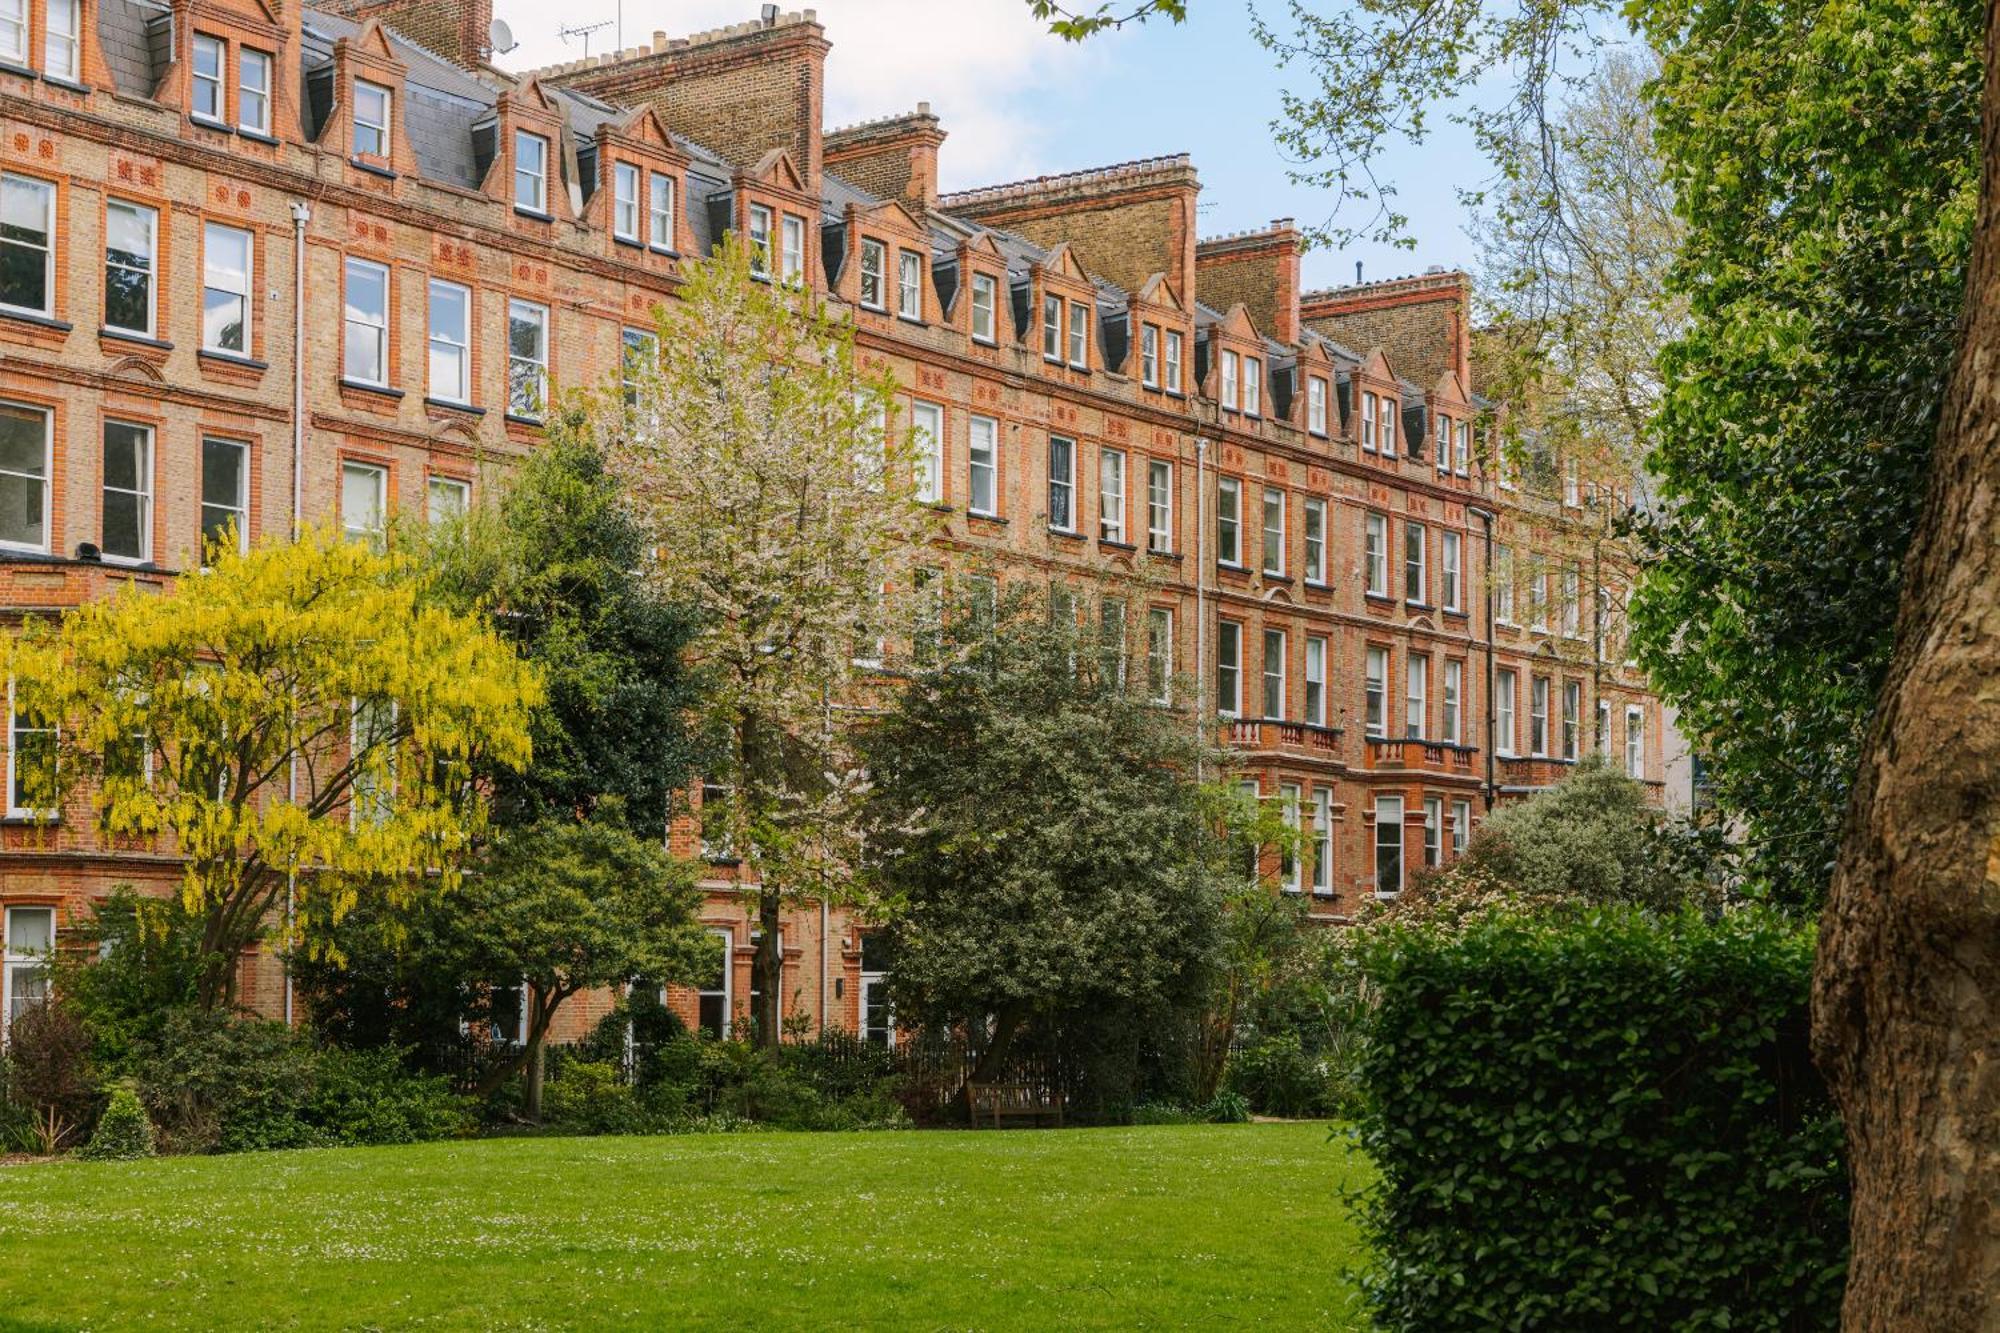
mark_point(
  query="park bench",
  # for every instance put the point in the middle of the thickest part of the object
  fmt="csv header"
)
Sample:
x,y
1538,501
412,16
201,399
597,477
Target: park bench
x,y
998,1103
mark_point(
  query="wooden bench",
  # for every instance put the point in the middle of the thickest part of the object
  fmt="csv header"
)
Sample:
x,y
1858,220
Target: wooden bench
x,y
998,1103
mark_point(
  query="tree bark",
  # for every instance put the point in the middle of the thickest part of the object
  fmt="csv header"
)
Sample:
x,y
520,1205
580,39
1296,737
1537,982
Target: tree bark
x,y
767,968
1906,997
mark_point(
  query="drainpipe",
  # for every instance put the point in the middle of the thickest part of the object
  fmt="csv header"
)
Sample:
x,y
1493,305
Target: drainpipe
x,y
1486,518
301,214
825,958
1204,720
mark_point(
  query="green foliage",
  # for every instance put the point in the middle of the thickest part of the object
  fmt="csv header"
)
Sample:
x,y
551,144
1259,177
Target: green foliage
x,y
49,1074
592,1097
1825,161
559,563
1042,847
1073,23
123,1132
1276,1076
1593,840
147,964
363,1097
1602,1122
215,1083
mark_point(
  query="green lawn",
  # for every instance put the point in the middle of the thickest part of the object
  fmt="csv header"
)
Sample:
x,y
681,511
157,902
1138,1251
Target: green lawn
x,y
1164,1227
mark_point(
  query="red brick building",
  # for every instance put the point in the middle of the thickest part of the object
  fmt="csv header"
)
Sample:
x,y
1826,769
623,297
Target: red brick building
x,y
1284,494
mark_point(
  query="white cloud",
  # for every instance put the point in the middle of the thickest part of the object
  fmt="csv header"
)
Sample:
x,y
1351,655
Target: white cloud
x,y
979,63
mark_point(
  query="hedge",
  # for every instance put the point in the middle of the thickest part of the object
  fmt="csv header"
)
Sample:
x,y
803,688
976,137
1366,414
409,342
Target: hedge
x,y
1604,1121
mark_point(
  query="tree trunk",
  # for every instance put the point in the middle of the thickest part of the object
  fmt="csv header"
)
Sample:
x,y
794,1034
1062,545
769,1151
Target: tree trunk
x,y
767,972
1908,982
538,1025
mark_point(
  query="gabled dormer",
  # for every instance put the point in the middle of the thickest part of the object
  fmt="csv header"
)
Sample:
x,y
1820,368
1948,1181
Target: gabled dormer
x,y
365,125
980,304
641,179
887,270
1451,426
1377,414
1238,376
771,208
1063,312
1314,406
521,146
1162,332
233,69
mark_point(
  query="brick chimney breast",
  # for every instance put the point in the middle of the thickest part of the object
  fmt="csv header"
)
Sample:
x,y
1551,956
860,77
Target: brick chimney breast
x,y
1422,322
1259,268
895,157
455,29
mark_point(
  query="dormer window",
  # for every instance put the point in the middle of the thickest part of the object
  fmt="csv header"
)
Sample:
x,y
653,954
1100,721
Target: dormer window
x,y
1443,442
60,50
1149,356
1079,334
909,284
1173,367
14,31
1316,404
208,57
1368,406
625,202
253,91
1230,363
1386,427
792,249
983,291
1464,464
1052,327
760,239
1253,385
371,119
531,172
662,203
874,260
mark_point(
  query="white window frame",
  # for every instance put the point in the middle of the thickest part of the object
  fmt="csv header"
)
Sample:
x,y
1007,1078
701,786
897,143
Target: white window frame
x,y
14,32
253,94
214,279
21,962
368,803
1062,483
1416,564
1079,335
1273,532
1315,539
728,992
13,181
982,460
535,367
1572,600
16,729
1322,842
1375,554
141,494
1229,522
1450,567
1368,423
1433,831
1111,495
1052,308
985,304
1149,355
1451,722
1386,425
1170,376
909,285
1276,650
1443,448
635,348
1315,680
660,210
1159,505
240,508
1503,584
352,526
364,323
927,433
625,201
761,223
1416,695
213,84
874,274
1538,716
1229,667
455,345
1253,386
1635,742
62,46
377,129
149,219
1375,692
792,248
437,507
42,482
1389,816
1160,654
1291,801
1461,826
1316,405
1506,693
531,172
1572,718
1230,370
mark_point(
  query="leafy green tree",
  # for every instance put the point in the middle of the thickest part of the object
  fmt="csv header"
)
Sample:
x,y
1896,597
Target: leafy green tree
x,y
303,717
567,906
756,458
1040,844
559,563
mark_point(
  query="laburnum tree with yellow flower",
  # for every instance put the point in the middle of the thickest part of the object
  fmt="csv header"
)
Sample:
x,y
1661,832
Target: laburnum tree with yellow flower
x,y
301,722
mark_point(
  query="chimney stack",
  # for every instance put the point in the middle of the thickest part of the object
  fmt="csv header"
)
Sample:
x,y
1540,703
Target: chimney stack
x,y
454,29
895,157
1260,269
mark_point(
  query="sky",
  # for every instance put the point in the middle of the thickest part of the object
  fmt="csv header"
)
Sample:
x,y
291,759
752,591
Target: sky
x,y
1016,102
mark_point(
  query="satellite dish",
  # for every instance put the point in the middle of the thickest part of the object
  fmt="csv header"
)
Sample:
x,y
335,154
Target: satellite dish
x,y
501,37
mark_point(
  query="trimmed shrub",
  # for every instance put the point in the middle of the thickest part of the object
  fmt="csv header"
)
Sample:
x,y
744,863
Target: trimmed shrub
x,y
365,1097
214,1083
1604,1121
591,1097
123,1134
